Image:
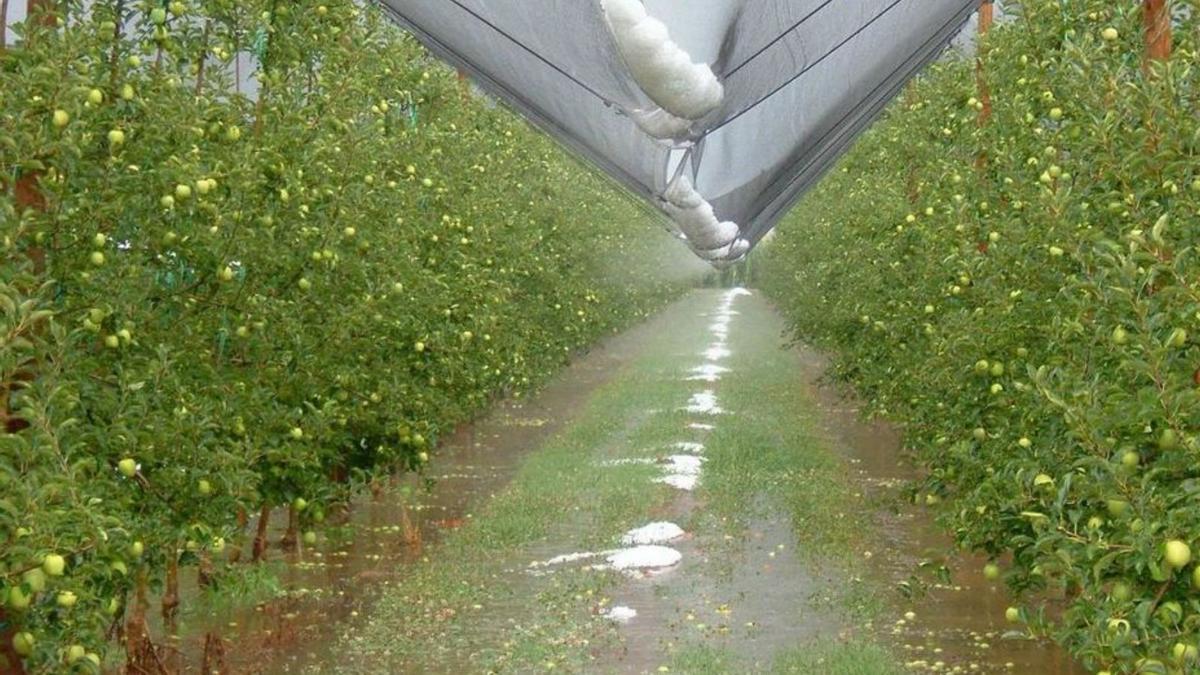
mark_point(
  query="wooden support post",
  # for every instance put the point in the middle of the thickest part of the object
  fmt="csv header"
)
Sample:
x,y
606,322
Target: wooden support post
x,y
1156,15
986,19
464,84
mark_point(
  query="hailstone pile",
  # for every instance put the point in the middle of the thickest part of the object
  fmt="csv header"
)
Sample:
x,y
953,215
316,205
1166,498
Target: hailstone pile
x,y
684,90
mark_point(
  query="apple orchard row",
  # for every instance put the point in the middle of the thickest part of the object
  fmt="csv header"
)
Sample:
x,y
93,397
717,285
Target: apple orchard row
x,y
1010,271
256,254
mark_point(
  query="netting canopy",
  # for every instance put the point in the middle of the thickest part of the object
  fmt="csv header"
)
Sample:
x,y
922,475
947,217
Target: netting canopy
x,y
720,112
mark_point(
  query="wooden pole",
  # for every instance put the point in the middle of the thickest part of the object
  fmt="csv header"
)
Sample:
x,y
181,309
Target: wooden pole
x,y
1156,15
986,19
464,84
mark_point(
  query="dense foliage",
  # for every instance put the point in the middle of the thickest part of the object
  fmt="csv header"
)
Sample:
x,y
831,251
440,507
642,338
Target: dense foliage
x,y
215,300
1024,295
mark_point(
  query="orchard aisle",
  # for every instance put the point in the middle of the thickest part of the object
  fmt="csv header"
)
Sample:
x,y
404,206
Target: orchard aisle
x,y
694,517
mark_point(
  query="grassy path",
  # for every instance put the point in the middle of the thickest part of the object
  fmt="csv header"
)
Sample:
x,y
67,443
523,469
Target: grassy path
x,y
761,579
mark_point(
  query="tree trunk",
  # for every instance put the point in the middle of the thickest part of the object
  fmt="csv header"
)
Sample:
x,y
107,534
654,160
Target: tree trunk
x,y
140,655
214,655
170,599
235,551
204,571
259,550
291,537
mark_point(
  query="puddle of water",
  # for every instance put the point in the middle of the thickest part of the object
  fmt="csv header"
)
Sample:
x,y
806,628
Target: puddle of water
x,y
956,624
296,633
752,597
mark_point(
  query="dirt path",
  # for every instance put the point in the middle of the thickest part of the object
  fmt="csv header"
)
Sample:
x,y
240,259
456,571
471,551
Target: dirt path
x,y
690,499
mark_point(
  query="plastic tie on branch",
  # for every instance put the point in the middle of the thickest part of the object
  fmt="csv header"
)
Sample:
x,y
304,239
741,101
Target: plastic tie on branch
x,y
663,70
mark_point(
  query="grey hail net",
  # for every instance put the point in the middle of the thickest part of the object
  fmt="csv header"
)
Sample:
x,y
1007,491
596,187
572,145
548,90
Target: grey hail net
x,y
801,79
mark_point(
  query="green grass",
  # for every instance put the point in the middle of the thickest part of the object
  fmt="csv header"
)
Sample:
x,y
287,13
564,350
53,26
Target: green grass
x,y
817,659
472,608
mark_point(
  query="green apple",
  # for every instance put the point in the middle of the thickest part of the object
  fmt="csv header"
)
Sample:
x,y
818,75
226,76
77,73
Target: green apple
x,y
66,599
1170,613
299,504
75,652
127,467
225,273
22,643
304,284
310,538
204,487
54,565
95,97
1184,653
19,600
991,571
35,579
97,258
297,433
1120,336
1168,440
1116,507
1012,615
61,118
1130,459
136,549
1177,554
1109,34
1121,591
